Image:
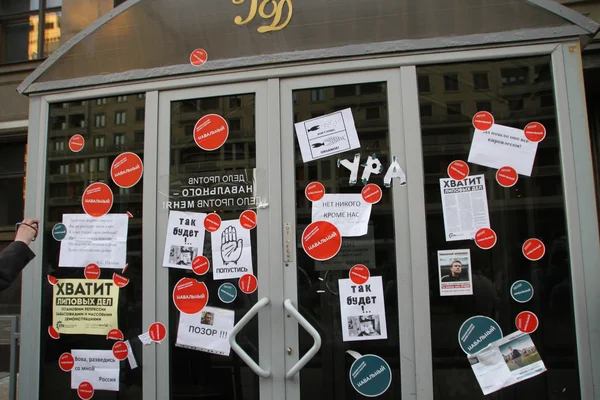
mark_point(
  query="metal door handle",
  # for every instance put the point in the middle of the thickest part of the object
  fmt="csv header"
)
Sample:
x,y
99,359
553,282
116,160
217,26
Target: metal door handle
x,y
236,347
312,331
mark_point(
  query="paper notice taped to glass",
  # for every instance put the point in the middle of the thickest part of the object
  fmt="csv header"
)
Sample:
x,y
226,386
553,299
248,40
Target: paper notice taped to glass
x,y
503,145
465,207
507,361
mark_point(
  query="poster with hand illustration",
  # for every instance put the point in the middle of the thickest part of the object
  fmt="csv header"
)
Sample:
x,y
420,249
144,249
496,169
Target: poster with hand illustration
x,y
231,251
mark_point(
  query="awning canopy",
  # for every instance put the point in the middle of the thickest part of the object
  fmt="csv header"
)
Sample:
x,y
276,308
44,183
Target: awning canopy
x,y
143,39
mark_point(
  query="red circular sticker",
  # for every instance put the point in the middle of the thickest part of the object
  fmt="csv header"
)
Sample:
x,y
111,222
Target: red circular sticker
x,y
534,249
115,334
157,332
127,170
321,240
66,362
485,238
200,265
76,143
535,132
248,219
527,322
119,281
198,57
210,132
212,222
359,274
483,120
53,333
314,191
190,296
52,280
85,391
248,283
120,351
92,271
458,170
507,176
371,193
97,199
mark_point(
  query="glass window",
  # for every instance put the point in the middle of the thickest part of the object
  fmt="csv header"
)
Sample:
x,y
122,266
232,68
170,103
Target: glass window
x,y
514,76
317,95
483,106
140,114
533,207
120,117
426,110
371,88
235,102
69,174
194,374
481,81
139,137
121,99
516,104
99,141
454,109
100,102
119,139
451,82
100,120
235,124
424,84
318,292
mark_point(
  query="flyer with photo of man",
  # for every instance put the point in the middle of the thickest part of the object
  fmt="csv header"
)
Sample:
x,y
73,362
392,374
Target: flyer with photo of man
x,y
454,267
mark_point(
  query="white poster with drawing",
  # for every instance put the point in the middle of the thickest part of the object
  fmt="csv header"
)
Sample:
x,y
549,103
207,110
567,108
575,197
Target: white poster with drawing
x,y
362,310
98,367
348,212
455,272
502,146
507,361
231,251
185,239
465,207
327,135
207,330
89,240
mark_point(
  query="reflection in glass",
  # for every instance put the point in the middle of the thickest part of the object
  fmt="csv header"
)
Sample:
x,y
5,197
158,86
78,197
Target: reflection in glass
x,y
193,373
68,174
326,376
534,207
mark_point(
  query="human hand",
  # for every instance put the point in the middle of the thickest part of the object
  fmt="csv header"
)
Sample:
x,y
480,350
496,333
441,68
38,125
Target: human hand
x,y
231,247
27,230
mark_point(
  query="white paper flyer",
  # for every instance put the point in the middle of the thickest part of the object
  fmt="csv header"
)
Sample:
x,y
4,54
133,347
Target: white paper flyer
x,y
502,146
348,212
327,135
185,239
206,331
89,240
98,367
454,268
507,361
231,251
362,310
465,207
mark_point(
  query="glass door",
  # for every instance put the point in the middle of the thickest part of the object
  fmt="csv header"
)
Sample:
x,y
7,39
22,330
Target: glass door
x,y
213,245
343,334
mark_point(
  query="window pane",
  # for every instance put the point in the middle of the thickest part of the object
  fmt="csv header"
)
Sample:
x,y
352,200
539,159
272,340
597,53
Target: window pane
x,y
19,39
450,82
194,374
52,32
480,81
424,85
69,174
533,207
325,377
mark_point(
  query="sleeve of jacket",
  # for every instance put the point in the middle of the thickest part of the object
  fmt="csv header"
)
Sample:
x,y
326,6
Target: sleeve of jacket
x,y
12,260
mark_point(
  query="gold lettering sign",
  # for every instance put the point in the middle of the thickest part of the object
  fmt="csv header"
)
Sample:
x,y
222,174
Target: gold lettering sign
x,y
276,13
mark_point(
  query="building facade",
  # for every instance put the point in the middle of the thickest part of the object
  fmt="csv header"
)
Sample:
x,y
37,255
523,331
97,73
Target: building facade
x,y
413,76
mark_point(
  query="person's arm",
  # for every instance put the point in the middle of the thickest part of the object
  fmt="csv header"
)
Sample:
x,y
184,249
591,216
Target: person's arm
x,y
17,254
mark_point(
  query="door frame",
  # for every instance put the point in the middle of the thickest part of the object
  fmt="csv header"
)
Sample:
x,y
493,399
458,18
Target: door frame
x,y
401,87
580,197
265,158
